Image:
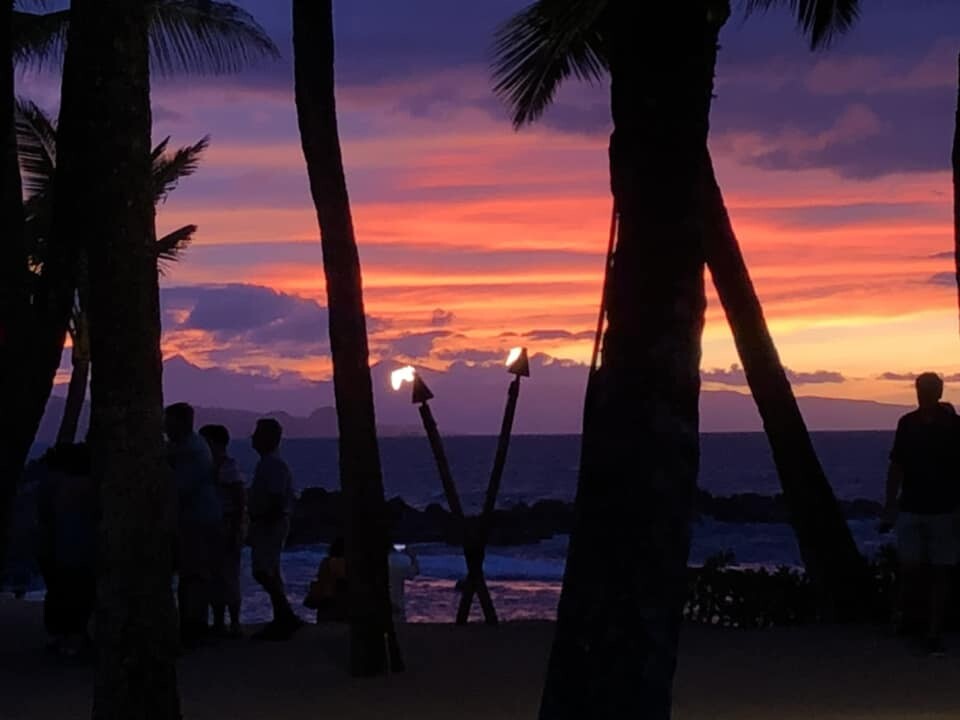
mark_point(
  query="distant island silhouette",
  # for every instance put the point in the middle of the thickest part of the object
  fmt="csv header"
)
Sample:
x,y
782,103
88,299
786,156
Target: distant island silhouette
x,y
469,401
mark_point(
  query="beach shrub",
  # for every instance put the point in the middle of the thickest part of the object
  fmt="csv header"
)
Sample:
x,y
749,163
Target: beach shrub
x,y
726,595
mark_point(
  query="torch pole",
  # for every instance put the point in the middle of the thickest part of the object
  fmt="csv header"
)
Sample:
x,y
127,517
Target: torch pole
x,y
446,477
500,460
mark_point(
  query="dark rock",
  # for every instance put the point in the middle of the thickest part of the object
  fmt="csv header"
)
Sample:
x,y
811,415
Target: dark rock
x,y
316,518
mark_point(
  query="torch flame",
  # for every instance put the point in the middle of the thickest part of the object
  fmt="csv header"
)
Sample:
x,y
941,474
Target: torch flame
x,y
401,376
514,355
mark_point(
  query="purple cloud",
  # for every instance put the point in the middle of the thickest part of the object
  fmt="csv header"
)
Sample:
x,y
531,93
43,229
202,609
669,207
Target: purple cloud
x,y
944,279
910,377
478,357
736,377
415,345
546,335
251,317
441,318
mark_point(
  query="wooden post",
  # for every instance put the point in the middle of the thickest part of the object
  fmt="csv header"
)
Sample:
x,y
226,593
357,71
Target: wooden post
x,y
503,444
446,477
475,531
475,550
477,537
472,535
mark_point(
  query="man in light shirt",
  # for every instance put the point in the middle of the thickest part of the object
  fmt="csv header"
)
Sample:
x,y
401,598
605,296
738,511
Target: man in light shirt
x,y
270,504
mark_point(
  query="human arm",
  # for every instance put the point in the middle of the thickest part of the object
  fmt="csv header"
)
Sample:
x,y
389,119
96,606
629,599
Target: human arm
x,y
895,474
894,483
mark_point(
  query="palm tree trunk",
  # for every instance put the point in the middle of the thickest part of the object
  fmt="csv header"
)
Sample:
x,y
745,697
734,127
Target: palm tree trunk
x,y
366,521
833,562
80,356
625,583
76,395
34,311
956,190
28,358
14,288
104,189
12,253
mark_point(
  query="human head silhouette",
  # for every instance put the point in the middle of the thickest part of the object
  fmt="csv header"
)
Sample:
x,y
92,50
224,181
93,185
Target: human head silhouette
x,y
929,390
217,437
266,437
178,421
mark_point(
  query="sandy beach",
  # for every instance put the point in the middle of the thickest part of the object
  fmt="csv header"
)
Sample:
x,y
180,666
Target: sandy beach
x,y
478,672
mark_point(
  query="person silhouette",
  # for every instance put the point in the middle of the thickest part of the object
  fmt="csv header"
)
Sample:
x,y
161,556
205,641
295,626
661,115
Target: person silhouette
x,y
225,588
67,511
328,592
922,499
199,517
402,565
271,502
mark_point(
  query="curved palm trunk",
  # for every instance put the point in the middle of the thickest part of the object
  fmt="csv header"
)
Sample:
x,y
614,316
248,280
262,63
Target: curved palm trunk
x,y
14,289
956,190
80,357
367,531
104,188
624,588
829,553
76,395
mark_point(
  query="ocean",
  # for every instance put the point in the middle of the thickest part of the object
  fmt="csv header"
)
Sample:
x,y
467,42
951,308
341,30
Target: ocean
x,y
525,580
545,466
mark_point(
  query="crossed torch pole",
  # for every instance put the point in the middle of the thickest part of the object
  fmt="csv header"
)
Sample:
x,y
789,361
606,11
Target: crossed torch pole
x,y
475,530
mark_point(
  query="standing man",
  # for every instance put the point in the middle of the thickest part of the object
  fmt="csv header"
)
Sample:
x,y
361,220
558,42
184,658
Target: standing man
x,y
922,499
198,520
271,501
225,593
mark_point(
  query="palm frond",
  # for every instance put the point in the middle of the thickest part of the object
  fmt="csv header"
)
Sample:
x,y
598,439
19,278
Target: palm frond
x,y
170,168
543,45
171,247
39,39
186,37
36,147
206,37
38,214
820,20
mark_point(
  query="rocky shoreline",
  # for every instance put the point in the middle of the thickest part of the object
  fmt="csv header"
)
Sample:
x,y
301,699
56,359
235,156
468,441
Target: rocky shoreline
x,y
316,517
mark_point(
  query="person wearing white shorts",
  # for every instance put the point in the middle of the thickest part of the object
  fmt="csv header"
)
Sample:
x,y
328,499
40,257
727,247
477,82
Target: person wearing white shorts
x,y
922,501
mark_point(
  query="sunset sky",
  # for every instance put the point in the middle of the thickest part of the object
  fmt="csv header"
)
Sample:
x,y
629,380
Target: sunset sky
x,y
835,167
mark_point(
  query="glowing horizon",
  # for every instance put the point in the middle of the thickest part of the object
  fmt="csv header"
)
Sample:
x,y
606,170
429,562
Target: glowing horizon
x,y
475,239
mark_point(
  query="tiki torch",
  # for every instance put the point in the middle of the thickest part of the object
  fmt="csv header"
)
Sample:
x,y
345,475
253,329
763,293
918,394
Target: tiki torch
x,y
518,365
421,396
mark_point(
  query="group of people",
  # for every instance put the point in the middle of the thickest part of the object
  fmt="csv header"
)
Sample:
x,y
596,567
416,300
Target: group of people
x,y
216,517
68,515
923,506
213,512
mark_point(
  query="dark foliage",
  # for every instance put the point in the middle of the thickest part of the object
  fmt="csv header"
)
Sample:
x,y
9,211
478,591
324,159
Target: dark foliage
x,y
724,595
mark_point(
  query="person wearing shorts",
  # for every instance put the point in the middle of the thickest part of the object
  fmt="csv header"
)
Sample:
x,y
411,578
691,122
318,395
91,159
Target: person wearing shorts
x,y
270,504
922,501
